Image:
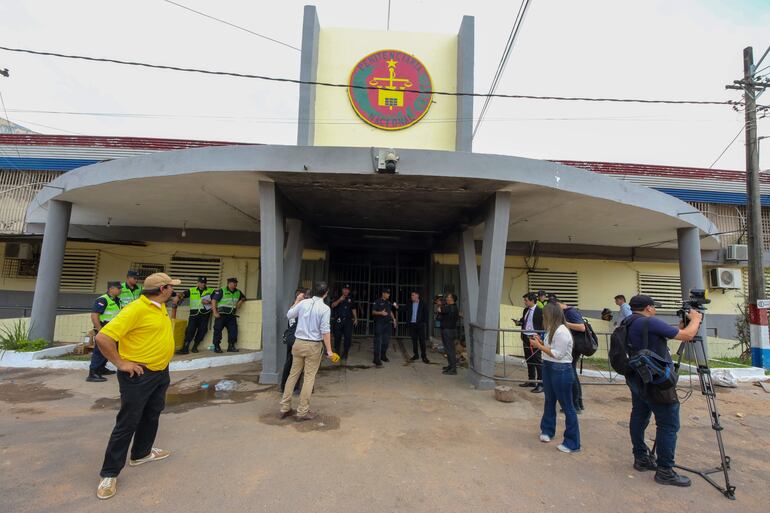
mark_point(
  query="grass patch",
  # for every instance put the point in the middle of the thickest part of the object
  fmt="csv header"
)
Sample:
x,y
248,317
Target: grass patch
x,y
72,357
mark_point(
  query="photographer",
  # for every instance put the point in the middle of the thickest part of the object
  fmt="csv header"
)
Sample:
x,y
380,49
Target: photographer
x,y
645,331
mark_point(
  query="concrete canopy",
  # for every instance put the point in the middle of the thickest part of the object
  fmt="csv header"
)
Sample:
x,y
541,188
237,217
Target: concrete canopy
x,y
433,191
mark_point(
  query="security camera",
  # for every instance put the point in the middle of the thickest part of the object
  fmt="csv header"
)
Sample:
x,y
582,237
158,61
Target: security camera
x,y
387,161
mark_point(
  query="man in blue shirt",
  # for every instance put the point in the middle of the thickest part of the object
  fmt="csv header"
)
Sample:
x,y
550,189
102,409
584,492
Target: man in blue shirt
x,y
647,331
625,310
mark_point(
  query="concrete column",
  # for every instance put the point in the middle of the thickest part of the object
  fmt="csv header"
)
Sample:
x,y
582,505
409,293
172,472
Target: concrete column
x,y
691,270
465,45
46,298
484,342
308,69
292,263
469,280
271,267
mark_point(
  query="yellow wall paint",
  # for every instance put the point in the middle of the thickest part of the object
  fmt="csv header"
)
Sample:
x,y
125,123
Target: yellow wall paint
x,y
337,124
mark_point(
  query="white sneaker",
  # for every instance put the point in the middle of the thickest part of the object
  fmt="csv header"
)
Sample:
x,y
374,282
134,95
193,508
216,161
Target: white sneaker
x,y
107,487
564,448
545,438
155,454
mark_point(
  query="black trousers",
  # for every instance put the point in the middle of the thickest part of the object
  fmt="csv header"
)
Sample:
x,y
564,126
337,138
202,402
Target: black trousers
x,y
142,399
418,332
230,322
534,360
197,326
448,339
287,365
577,390
381,340
343,330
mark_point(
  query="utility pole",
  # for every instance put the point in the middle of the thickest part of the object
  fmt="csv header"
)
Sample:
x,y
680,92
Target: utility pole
x,y
760,339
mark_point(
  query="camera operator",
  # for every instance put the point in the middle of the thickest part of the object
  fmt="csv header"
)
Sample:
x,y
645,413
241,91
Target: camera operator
x,y
645,331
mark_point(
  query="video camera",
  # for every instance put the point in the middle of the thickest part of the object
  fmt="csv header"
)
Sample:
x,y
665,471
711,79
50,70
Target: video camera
x,y
697,299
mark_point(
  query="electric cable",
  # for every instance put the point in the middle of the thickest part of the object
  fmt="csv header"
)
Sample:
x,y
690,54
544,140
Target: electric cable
x,y
728,146
348,86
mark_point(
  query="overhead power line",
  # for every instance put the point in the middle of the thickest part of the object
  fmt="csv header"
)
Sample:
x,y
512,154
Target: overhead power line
x,y
728,146
244,29
346,86
503,61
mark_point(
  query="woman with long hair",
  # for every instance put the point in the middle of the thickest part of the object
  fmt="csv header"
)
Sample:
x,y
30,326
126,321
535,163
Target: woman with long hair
x,y
557,378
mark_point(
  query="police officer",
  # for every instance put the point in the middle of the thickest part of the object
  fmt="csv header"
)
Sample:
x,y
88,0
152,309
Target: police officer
x,y
105,308
200,313
225,303
384,322
130,289
344,317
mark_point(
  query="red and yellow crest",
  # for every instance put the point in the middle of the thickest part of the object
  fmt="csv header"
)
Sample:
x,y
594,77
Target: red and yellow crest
x,y
390,89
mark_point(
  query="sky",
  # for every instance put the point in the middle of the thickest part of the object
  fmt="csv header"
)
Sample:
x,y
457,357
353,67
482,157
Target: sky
x,y
659,49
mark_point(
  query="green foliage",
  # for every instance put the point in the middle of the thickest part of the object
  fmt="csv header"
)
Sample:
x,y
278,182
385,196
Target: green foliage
x,y
16,338
742,332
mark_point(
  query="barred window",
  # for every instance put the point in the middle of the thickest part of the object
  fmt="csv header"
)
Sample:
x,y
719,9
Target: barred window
x,y
563,284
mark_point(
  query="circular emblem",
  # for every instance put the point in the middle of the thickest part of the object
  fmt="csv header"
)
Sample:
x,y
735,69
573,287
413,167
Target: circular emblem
x,y
385,89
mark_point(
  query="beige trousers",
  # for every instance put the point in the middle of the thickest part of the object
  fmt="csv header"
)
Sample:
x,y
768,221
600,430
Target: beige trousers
x,y
306,356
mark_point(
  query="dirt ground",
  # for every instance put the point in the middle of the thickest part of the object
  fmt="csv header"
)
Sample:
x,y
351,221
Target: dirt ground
x,y
401,438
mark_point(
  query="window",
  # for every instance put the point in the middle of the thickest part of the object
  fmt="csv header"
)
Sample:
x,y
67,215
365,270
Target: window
x,y
188,269
78,270
145,269
667,290
564,285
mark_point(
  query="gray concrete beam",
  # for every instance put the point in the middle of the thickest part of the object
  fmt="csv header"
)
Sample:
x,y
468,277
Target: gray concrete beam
x,y
292,264
469,279
271,268
484,341
46,298
691,274
465,49
308,69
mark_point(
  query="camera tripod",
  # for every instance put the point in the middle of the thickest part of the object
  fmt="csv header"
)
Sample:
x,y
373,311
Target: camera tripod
x,y
697,349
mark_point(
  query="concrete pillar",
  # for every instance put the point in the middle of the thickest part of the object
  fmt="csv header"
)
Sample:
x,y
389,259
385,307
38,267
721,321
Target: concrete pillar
x,y
271,267
46,298
465,50
469,280
691,270
484,341
308,71
292,264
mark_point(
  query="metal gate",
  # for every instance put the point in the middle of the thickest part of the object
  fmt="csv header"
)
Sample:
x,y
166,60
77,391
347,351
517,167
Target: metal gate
x,y
369,272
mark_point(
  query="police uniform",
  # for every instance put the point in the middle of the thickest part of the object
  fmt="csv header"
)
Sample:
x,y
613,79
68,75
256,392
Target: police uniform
x,y
107,307
200,314
383,326
226,305
343,325
127,294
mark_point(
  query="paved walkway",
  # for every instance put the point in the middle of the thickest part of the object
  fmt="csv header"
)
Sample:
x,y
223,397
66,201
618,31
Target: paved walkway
x,y
401,438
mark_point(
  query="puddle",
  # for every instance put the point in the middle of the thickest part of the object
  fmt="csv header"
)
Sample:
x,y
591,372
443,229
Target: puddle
x,y
321,423
30,393
328,368
180,399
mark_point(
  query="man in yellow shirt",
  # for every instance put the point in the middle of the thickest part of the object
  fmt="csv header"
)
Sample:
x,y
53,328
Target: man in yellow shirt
x,y
146,348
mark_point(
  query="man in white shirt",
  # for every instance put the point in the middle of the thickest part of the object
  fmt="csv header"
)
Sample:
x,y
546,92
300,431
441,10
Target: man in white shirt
x,y
311,335
529,324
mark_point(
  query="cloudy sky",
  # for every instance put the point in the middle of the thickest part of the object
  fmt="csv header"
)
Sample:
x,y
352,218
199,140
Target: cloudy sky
x,y
681,49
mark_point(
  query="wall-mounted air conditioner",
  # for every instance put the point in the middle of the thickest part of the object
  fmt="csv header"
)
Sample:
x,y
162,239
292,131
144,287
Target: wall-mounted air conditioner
x,y
737,252
723,278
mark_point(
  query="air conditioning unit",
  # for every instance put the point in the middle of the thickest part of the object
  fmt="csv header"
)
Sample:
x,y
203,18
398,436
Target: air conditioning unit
x,y
18,250
737,252
723,278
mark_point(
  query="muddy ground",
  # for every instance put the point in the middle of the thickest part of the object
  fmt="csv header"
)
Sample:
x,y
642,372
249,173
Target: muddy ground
x,y
401,438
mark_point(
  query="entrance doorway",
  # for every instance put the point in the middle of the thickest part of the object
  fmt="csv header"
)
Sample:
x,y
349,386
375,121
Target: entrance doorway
x,y
369,271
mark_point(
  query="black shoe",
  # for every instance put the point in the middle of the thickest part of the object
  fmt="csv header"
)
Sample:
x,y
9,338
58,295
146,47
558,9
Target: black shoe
x,y
415,357
450,372
194,350
445,367
667,476
231,348
217,349
184,350
95,378
378,365
385,359
424,359
106,372
528,384
645,464
538,389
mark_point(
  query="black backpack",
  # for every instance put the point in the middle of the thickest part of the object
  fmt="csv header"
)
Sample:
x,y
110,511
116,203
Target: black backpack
x,y
585,343
620,351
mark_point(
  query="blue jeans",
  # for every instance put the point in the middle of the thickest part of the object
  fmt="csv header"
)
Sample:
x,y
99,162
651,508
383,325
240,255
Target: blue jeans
x,y
98,361
666,422
557,382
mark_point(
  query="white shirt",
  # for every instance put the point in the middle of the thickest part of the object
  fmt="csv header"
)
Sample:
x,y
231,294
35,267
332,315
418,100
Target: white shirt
x,y
529,327
561,346
312,319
